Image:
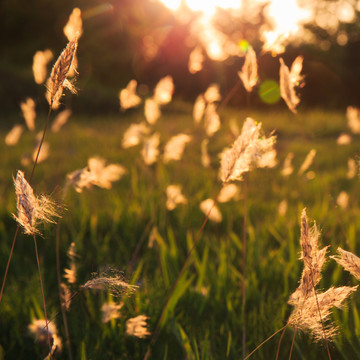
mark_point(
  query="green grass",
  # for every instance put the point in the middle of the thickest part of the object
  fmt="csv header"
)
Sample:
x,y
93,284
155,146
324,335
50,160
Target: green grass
x,y
204,319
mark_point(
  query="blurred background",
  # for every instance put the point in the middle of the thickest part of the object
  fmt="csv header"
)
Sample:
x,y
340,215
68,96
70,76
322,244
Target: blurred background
x,y
148,39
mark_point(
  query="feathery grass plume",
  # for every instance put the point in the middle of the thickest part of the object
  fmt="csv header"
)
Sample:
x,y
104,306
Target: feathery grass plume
x,y
38,329
296,67
44,152
212,120
58,77
110,311
307,162
73,28
344,139
352,168
288,167
348,261
268,160
249,71
112,280
70,274
175,147
212,93
134,134
105,175
137,326
352,114
227,192
306,314
215,214
80,179
287,87
152,111
31,209
343,199
65,296
199,108
311,308
196,60
13,136
245,152
40,61
60,120
313,259
205,158
150,151
164,90
127,97
282,207
29,113
174,197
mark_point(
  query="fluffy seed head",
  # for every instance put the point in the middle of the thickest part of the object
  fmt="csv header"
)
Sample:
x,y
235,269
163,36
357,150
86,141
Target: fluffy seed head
x,y
137,326
349,262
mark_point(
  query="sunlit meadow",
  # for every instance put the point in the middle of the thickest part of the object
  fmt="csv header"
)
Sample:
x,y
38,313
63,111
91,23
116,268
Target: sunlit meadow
x,y
180,229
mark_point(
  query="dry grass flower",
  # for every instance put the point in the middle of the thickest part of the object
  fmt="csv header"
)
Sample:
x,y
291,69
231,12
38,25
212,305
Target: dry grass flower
x,y
134,134
58,77
152,111
227,192
282,207
312,309
29,113
65,295
352,168
309,159
212,120
150,151
110,311
70,274
287,86
352,114
73,28
205,158
112,280
104,174
164,90
245,152
137,326
175,147
348,261
38,329
209,208
13,136
199,109
174,197
127,97
80,179
31,209
344,139
343,199
153,236
268,160
40,61
212,94
196,60
288,167
60,120
249,71
306,315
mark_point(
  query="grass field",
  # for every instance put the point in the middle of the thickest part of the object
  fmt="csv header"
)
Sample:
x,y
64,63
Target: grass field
x,y
112,227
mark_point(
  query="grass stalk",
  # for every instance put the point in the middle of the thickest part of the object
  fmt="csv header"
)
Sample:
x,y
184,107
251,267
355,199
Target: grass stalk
x,y
280,340
292,343
243,305
18,227
264,342
8,263
42,293
58,273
